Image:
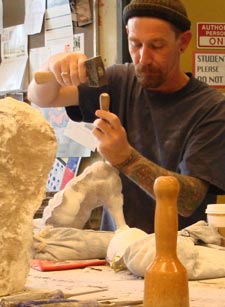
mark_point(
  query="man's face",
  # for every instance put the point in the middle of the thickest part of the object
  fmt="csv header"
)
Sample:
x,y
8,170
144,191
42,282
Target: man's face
x,y
155,51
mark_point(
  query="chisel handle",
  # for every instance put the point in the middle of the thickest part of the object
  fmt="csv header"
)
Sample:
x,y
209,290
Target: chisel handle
x,y
104,101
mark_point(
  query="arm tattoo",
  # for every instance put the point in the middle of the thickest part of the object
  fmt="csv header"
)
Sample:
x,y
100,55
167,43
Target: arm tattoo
x,y
144,172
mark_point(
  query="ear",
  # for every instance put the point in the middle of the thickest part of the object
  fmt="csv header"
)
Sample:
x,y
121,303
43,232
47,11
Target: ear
x,y
185,39
127,30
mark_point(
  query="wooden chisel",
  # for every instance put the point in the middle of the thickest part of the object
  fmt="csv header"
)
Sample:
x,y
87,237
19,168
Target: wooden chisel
x,y
104,101
57,295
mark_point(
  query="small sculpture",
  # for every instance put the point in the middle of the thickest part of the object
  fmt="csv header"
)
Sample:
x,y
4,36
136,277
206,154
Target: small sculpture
x,y
98,185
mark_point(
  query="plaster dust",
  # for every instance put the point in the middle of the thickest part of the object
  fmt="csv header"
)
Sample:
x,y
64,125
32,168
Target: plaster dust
x,y
120,285
27,153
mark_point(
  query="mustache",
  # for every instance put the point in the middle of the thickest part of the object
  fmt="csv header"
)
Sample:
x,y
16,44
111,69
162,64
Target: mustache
x,y
140,69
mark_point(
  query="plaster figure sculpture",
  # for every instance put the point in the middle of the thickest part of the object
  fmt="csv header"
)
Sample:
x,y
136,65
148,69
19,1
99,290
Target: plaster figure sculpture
x,y
98,185
27,153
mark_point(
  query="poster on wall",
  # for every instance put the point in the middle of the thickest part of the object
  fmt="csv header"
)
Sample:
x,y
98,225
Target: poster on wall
x,y
209,67
13,68
78,43
1,18
34,16
210,35
58,25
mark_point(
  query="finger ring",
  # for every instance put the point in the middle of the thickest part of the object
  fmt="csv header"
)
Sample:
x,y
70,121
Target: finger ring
x,y
64,73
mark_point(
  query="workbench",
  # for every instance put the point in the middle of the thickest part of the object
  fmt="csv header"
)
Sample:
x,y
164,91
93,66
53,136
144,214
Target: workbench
x,y
105,284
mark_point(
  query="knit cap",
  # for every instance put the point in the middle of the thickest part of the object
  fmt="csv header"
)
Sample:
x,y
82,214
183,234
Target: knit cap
x,y
172,11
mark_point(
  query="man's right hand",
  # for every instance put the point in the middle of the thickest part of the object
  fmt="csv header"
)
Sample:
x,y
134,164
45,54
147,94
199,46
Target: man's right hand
x,y
69,71
68,68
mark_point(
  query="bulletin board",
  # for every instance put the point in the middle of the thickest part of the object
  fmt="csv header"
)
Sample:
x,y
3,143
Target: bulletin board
x,y
14,12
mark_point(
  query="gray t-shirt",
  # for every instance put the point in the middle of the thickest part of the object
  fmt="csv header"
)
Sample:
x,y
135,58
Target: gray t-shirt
x,y
183,132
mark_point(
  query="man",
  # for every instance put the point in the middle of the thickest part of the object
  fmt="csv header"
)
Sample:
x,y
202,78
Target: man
x,y
162,121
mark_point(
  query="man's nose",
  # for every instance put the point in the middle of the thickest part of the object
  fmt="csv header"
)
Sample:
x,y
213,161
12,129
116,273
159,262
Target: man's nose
x,y
145,55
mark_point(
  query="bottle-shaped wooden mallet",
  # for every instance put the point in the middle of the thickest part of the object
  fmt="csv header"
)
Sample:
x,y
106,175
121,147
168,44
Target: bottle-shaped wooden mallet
x,y
166,281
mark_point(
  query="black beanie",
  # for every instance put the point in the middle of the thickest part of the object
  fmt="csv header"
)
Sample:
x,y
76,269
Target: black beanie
x,y
172,11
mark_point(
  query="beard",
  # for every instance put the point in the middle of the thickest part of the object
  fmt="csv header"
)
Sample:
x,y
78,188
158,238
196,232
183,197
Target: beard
x,y
150,77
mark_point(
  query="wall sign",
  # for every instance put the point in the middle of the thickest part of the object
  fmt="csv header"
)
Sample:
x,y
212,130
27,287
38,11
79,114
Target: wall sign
x,y
209,67
210,35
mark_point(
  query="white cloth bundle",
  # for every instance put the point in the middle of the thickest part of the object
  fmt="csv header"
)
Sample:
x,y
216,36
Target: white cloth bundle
x,y
198,248
63,243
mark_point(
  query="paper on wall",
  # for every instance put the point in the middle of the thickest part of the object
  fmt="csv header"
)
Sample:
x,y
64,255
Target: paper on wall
x,y
37,58
58,24
34,14
67,147
13,73
81,133
1,17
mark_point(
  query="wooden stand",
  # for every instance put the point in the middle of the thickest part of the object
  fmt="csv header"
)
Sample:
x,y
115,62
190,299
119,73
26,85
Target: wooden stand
x,y
166,281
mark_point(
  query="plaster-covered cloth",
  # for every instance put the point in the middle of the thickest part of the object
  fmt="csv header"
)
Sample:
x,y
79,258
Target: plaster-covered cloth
x,y
198,248
62,243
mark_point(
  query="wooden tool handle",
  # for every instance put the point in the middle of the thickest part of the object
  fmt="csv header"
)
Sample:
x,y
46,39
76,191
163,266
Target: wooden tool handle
x,y
104,101
166,187
166,281
166,190
42,77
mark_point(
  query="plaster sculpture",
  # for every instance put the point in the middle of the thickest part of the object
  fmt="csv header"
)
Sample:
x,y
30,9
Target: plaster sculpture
x,y
27,153
98,185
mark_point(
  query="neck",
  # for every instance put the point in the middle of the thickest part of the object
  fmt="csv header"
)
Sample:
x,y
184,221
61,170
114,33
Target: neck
x,y
174,84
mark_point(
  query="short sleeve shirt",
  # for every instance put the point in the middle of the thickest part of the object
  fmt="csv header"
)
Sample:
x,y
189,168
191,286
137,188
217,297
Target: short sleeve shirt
x,y
183,132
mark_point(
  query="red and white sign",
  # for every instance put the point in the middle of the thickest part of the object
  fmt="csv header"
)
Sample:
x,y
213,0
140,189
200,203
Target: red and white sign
x,y
210,35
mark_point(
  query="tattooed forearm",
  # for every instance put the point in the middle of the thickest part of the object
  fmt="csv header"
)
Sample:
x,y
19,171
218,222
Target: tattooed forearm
x,y
192,193
143,172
